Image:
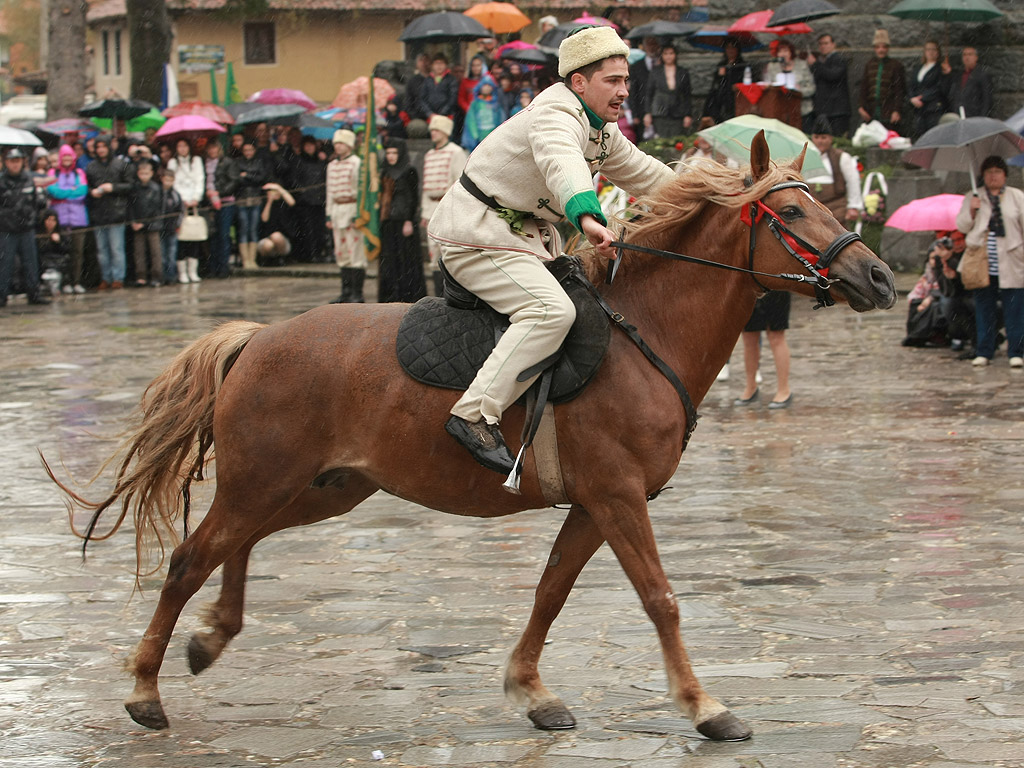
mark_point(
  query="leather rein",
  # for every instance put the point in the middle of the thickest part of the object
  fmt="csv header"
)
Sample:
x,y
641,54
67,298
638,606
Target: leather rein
x,y
811,259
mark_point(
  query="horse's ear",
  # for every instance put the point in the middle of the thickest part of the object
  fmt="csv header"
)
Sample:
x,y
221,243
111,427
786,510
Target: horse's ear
x,y
759,156
798,161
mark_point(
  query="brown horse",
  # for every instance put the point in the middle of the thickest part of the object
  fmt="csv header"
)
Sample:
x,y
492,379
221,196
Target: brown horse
x,y
312,415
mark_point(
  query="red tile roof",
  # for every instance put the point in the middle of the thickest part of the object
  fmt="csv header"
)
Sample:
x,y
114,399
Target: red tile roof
x,y
100,10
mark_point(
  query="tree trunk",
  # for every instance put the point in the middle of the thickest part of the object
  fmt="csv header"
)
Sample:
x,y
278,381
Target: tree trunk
x,y
149,36
66,59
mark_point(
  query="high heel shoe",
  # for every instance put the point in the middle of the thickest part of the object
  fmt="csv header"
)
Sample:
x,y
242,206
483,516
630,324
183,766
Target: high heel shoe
x,y
776,405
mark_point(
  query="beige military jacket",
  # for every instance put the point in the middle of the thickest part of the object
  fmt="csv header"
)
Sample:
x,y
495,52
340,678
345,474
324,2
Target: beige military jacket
x,y
541,161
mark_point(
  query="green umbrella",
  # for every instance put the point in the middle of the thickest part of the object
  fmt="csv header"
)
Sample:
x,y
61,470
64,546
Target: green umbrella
x,y
733,138
946,11
151,119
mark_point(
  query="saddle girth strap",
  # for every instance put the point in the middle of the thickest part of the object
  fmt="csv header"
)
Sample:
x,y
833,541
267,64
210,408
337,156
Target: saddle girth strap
x,y
666,370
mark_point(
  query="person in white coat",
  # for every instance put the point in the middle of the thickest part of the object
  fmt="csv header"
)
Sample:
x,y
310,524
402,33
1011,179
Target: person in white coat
x,y
342,188
443,164
496,226
190,183
993,218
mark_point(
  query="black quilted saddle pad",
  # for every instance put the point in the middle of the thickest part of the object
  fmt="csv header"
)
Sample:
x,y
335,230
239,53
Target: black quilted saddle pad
x,y
445,346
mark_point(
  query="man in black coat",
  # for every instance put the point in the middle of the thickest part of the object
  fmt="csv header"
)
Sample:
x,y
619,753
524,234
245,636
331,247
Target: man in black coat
x,y
831,87
439,91
309,187
639,74
970,88
20,205
110,181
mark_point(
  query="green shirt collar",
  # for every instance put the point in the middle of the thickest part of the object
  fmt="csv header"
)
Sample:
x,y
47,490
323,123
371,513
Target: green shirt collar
x,y
595,122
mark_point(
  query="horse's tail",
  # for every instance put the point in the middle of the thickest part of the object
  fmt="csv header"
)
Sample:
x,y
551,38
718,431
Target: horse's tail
x,y
166,448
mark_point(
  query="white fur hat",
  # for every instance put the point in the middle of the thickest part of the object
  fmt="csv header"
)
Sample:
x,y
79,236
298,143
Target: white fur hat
x,y
442,124
344,136
587,46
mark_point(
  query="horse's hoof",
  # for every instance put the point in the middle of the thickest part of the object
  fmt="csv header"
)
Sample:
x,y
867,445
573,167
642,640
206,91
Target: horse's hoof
x,y
199,656
147,713
552,716
724,726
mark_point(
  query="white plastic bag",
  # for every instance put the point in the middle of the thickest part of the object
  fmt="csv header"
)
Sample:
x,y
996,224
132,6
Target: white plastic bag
x,y
870,134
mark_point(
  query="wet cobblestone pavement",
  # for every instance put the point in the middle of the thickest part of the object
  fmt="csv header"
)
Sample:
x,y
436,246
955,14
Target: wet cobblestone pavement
x,y
849,574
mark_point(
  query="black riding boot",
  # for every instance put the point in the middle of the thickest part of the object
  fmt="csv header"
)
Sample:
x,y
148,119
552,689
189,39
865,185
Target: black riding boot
x,y
346,286
438,282
358,276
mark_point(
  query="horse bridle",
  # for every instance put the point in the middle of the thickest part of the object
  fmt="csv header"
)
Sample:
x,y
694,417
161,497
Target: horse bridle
x,y
816,262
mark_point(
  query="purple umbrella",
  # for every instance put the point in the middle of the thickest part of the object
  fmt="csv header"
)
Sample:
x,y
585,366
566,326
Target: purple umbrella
x,y
68,125
283,96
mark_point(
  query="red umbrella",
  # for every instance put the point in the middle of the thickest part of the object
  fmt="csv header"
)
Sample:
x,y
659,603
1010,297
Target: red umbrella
x,y
758,22
283,96
597,21
356,93
188,127
202,109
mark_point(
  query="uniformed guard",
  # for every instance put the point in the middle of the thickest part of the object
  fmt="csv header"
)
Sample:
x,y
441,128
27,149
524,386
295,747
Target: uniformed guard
x,y
495,227
442,167
349,248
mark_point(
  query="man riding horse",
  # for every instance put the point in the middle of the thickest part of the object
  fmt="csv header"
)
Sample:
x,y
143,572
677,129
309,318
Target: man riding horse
x,y
496,226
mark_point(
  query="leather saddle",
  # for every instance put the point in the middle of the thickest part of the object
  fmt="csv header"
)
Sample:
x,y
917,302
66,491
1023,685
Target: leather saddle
x,y
443,342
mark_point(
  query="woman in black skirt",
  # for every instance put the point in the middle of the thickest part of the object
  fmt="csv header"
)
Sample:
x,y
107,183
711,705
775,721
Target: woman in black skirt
x,y
401,255
771,315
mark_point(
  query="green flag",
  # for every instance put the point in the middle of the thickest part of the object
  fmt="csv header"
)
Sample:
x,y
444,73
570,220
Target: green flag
x,y
368,217
231,94
214,98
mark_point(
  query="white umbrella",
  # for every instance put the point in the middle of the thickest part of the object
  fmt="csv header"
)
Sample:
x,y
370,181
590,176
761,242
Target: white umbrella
x,y
16,137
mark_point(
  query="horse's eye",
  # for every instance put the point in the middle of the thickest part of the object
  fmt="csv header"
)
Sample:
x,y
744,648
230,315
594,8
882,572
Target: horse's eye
x,y
791,213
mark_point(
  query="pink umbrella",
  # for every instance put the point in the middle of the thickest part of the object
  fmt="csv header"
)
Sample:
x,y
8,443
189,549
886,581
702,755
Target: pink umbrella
x,y
515,45
927,214
597,21
356,93
283,96
188,127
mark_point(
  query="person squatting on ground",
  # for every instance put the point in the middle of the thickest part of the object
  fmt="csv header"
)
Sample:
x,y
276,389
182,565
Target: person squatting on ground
x,y
926,323
21,202
276,227
994,218
443,164
537,168
342,211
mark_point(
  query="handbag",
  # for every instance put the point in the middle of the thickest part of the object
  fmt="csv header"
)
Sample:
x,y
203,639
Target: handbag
x,y
193,228
974,267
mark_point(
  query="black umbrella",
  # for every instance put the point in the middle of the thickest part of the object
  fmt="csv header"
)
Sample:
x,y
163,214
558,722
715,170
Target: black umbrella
x,y
796,11
528,56
554,36
116,109
964,144
268,113
663,29
443,27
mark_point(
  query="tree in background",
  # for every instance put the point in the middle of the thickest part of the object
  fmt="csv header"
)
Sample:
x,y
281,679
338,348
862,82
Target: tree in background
x,y
149,32
21,18
66,67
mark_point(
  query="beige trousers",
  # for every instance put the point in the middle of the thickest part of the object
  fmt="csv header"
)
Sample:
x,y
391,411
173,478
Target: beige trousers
x,y
520,286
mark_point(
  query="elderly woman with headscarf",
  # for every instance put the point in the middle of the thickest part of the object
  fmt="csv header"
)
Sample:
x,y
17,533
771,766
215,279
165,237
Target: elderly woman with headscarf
x,y
993,218
401,256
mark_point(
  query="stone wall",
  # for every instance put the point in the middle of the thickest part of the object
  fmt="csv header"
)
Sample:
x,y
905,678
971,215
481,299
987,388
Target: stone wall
x,y
1001,50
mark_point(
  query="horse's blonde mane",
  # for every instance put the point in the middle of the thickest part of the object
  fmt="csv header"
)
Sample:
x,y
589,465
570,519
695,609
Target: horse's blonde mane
x,y
676,203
